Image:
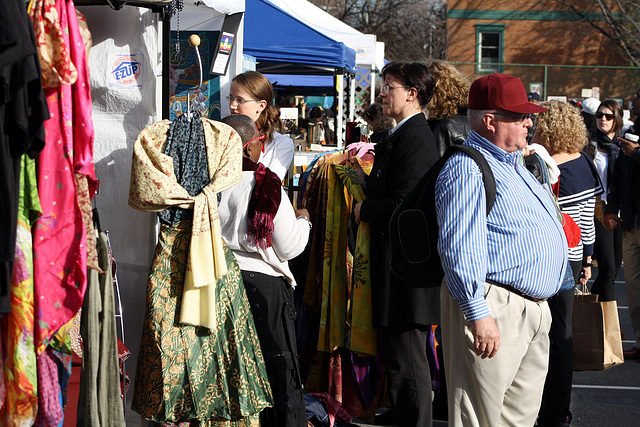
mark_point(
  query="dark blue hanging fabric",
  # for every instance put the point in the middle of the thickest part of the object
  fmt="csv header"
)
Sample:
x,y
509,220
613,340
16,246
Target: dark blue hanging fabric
x,y
186,146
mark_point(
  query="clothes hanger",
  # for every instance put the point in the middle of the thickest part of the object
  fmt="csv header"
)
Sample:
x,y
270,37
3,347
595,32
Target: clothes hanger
x,y
194,41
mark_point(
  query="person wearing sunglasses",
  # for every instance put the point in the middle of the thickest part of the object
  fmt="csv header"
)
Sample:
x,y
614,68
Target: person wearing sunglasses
x,y
251,94
500,266
608,245
403,312
563,133
623,213
264,231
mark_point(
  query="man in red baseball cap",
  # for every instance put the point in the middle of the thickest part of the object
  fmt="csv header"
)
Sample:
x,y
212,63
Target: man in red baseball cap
x,y
499,267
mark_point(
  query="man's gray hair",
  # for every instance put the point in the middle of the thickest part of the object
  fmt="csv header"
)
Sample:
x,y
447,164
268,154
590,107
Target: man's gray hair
x,y
475,117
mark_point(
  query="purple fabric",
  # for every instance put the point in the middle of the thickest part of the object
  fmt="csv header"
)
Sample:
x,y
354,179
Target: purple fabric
x,y
54,371
368,372
50,412
434,365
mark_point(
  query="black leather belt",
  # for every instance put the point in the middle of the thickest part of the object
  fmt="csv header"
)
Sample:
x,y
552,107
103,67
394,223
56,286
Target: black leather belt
x,y
515,291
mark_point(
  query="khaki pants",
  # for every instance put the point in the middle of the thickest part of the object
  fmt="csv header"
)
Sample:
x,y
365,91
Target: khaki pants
x,y
507,389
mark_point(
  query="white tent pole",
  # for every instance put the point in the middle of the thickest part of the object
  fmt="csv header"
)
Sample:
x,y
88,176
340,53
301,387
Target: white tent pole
x,y
340,110
374,78
352,96
160,100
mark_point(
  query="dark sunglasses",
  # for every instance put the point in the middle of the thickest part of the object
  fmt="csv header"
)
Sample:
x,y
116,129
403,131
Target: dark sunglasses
x,y
515,117
600,115
260,138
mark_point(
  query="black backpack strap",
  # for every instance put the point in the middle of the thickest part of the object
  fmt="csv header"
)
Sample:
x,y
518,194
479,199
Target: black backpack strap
x,y
487,174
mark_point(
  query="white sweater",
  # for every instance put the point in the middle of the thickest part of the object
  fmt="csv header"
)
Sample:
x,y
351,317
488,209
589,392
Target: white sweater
x,y
289,238
278,154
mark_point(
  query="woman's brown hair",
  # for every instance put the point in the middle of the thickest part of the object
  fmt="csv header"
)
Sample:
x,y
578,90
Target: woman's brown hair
x,y
412,74
259,87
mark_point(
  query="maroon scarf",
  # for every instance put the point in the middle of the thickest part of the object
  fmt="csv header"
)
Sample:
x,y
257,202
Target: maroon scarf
x,y
264,202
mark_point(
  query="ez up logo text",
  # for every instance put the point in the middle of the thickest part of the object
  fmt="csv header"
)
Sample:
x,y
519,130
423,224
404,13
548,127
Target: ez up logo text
x,y
126,70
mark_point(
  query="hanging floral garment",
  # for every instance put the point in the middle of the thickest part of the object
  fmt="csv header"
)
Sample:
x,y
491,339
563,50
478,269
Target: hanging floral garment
x,y
216,374
338,305
345,297
21,401
363,336
334,265
60,244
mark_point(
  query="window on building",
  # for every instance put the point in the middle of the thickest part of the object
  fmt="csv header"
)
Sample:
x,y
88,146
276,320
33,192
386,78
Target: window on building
x,y
489,48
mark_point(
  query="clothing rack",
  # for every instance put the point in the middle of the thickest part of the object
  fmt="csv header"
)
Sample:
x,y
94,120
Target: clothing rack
x,y
117,303
119,319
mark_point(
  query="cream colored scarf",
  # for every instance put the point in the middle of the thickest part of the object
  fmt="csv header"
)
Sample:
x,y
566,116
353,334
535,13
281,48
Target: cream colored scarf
x,y
154,188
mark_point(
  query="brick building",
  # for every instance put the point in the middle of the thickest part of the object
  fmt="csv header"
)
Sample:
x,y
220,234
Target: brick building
x,y
543,43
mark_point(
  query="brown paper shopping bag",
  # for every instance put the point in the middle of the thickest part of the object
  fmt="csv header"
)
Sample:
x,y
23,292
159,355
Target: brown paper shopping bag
x,y
597,343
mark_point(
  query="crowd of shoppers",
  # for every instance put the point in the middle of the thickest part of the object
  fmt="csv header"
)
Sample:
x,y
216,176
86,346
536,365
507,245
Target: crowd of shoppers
x,y
562,131
504,308
499,268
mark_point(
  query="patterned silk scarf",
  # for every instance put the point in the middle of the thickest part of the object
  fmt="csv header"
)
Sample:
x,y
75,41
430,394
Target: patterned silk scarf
x,y
154,187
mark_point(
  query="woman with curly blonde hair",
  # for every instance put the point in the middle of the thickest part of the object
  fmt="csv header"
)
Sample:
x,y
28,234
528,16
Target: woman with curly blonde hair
x,y
447,109
561,130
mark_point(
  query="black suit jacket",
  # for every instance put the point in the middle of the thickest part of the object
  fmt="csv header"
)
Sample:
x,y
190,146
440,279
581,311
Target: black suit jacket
x,y
401,160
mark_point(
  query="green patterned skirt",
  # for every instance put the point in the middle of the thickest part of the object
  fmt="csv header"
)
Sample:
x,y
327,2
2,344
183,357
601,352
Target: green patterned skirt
x,y
186,372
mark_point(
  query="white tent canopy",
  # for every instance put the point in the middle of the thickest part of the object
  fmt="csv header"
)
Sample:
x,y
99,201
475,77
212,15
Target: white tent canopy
x,y
195,16
369,52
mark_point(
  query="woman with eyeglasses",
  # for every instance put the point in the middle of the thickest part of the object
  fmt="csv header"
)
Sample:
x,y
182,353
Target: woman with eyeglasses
x,y
251,94
403,312
608,246
264,231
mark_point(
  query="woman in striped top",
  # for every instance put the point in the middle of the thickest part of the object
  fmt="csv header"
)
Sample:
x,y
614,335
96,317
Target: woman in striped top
x,y
562,132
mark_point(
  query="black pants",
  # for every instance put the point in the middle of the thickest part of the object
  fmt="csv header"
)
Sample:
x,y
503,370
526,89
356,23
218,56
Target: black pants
x,y
408,375
608,252
556,396
271,300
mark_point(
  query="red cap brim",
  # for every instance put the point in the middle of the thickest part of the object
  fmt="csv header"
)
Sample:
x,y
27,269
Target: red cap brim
x,y
526,108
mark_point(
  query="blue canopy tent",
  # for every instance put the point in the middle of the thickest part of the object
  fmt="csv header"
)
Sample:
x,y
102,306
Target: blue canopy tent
x,y
282,44
303,84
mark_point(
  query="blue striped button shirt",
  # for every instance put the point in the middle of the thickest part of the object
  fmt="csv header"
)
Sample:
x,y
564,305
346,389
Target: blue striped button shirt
x,y
520,243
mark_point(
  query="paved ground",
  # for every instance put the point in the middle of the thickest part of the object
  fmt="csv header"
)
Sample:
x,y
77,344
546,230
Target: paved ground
x,y
599,398
602,398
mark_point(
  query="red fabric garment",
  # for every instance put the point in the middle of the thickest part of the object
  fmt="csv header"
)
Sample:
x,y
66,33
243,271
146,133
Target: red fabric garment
x,y
123,355
73,391
334,409
60,245
264,202
571,229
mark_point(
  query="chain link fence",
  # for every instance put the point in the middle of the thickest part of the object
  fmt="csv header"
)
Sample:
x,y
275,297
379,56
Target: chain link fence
x,y
570,81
